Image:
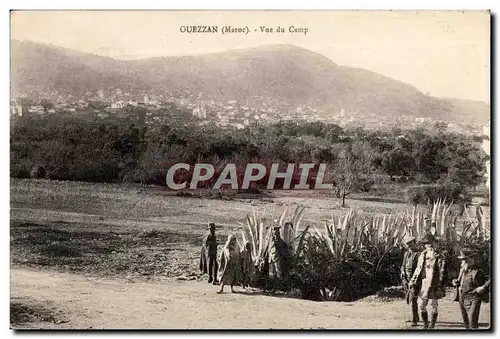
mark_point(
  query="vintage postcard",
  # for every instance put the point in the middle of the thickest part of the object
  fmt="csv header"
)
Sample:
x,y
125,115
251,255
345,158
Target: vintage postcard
x,y
250,170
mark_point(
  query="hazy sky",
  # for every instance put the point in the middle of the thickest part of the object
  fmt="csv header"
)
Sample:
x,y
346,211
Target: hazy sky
x,y
445,54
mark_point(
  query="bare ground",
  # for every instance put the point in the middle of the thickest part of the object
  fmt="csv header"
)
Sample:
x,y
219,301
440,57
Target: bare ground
x,y
113,303
109,256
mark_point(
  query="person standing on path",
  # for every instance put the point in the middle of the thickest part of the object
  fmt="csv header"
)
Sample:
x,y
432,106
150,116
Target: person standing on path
x,y
246,265
410,261
209,253
279,259
430,275
230,264
472,288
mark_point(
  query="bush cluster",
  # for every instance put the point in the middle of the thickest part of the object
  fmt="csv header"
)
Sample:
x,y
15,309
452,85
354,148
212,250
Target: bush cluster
x,y
69,148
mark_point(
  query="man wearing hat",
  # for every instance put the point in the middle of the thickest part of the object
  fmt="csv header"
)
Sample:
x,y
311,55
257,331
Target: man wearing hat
x,y
429,276
410,260
472,288
432,227
209,253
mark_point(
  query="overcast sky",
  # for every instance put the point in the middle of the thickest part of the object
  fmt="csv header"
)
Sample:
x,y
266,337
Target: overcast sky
x,y
445,54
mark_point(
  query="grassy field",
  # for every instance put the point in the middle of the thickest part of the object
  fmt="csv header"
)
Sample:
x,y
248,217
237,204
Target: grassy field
x,y
114,238
148,232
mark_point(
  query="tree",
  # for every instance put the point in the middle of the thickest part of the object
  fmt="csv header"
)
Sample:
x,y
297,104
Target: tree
x,y
428,162
397,162
440,127
46,105
466,164
353,170
333,132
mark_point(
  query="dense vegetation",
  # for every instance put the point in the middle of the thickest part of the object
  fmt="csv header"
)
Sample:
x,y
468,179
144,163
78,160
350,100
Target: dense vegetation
x,y
358,254
69,148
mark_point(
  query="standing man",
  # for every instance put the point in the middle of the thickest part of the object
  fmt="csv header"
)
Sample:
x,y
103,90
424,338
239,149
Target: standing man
x,y
210,248
410,260
246,265
279,257
472,287
430,275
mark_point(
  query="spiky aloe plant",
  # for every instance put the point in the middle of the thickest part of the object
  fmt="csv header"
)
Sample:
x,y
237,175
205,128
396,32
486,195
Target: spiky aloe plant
x,y
360,252
290,229
441,217
355,254
257,234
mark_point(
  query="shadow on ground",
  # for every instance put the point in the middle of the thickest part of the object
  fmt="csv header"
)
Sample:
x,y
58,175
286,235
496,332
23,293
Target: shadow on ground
x,y
24,312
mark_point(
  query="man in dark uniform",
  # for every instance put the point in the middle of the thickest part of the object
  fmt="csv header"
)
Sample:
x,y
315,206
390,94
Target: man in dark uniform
x,y
410,260
209,253
472,288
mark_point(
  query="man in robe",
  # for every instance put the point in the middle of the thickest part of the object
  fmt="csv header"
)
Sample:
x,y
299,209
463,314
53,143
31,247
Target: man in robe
x,y
230,264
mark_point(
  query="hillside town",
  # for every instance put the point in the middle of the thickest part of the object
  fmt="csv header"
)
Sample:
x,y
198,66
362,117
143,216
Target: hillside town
x,y
153,108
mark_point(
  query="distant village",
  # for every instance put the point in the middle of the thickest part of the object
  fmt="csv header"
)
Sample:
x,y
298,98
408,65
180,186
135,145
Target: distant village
x,y
152,108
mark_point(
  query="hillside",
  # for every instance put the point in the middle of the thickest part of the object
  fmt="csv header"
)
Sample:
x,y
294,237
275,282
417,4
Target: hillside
x,y
40,68
474,112
283,73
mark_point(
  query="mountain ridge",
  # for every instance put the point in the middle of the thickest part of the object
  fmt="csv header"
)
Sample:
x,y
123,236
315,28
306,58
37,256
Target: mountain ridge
x,y
285,73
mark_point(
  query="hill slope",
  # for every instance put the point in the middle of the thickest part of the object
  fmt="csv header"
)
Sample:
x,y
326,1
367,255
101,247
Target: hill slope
x,y
282,73
40,68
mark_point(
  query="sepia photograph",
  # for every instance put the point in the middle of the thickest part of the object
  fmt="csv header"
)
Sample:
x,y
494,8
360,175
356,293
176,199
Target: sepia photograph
x,y
250,170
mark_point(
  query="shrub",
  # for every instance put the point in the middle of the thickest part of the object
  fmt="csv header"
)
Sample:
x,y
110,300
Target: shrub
x,y
356,255
20,170
38,172
429,194
416,195
61,250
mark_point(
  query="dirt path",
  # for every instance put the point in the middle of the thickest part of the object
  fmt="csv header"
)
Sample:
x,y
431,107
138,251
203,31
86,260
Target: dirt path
x,y
105,303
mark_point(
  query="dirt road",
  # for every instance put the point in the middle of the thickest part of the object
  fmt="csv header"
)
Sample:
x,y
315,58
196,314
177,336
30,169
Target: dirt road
x,y
112,303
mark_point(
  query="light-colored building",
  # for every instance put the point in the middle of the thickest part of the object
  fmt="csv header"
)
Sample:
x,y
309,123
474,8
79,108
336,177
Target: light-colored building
x,y
37,109
200,112
486,148
117,104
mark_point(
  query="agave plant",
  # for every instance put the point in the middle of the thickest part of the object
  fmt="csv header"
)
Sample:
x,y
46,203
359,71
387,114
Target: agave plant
x,y
416,223
478,223
257,235
441,217
338,236
354,254
290,231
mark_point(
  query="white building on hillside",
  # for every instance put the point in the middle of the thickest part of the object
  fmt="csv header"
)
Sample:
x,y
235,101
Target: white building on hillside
x,y
486,148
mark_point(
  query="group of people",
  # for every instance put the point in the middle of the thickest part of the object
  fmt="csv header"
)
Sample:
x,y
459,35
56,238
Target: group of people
x,y
423,274
235,262
424,277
